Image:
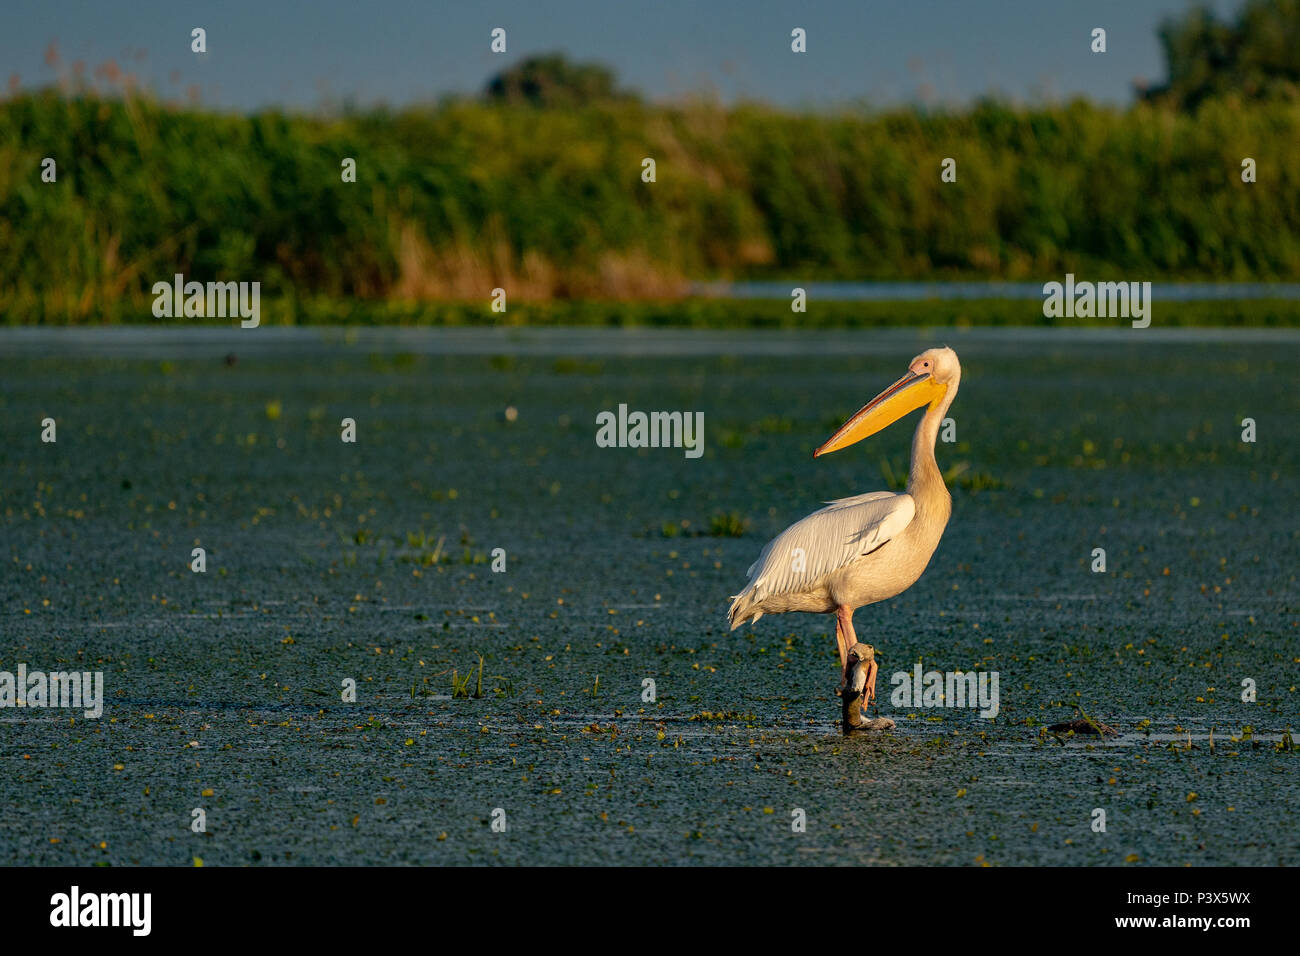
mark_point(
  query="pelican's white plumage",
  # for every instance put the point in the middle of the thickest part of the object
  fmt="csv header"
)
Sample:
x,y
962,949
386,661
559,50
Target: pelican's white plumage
x,y
798,561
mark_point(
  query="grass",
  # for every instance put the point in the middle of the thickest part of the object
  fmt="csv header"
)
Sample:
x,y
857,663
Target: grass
x,y
547,204
460,685
727,525
702,313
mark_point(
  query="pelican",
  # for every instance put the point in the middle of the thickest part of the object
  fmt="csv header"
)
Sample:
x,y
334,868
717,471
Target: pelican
x,y
868,548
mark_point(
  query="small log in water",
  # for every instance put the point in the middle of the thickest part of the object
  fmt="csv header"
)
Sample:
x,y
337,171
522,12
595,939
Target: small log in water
x,y
1084,726
862,657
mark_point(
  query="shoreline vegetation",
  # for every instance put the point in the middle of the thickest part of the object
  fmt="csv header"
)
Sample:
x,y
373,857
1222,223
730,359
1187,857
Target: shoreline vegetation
x,y
104,193
702,313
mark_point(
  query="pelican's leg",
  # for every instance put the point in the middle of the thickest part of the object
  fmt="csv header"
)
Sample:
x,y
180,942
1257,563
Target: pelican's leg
x,y
844,615
844,634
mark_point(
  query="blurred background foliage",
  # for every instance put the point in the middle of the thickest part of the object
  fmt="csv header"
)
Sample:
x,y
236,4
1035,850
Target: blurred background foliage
x,y
1255,55
536,187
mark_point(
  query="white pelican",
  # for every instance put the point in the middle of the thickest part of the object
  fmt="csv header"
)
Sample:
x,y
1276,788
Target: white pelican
x,y
860,550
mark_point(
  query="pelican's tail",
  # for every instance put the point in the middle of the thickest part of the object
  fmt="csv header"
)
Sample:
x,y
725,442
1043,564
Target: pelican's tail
x,y
743,608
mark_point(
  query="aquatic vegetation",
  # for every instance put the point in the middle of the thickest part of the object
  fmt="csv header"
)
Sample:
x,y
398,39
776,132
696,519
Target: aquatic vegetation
x,y
460,684
1133,647
956,475
710,716
729,524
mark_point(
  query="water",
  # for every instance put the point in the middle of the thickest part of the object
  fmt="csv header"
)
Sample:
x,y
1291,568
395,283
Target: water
x,y
170,342
223,688
915,291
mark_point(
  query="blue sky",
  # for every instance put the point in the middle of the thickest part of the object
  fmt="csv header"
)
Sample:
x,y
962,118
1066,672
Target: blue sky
x,y
305,54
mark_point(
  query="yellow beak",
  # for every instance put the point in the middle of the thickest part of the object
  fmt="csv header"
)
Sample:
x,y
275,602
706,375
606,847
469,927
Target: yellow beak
x,y
907,394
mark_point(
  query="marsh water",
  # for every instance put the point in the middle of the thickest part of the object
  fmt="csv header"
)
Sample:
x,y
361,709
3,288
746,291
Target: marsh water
x,y
915,291
373,562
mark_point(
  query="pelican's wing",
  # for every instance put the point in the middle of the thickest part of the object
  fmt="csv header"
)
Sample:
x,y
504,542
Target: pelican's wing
x,y
825,541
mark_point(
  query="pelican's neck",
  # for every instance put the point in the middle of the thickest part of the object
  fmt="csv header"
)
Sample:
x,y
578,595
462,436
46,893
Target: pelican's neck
x,y
924,480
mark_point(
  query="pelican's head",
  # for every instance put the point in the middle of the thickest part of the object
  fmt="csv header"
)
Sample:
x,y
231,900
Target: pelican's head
x,y
931,377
